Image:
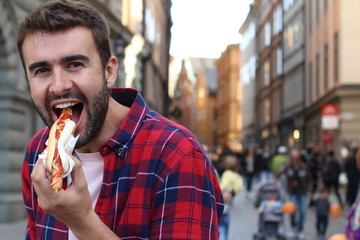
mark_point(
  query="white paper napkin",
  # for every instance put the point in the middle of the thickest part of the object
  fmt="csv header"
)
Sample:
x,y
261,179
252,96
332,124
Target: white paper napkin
x,y
70,145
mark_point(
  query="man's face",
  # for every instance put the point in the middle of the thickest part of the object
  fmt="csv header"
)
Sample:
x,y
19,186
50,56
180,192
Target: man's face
x,y
295,156
64,68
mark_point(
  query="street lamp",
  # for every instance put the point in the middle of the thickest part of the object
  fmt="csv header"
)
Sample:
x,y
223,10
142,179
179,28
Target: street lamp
x,y
296,134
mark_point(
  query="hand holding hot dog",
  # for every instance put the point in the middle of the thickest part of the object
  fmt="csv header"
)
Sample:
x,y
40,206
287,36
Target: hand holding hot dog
x,y
73,205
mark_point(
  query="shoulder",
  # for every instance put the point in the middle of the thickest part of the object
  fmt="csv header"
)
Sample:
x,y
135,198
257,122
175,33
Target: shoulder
x,y
227,174
37,142
39,139
170,144
170,134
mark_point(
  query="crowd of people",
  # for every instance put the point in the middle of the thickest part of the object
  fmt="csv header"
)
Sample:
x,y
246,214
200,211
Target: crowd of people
x,y
308,175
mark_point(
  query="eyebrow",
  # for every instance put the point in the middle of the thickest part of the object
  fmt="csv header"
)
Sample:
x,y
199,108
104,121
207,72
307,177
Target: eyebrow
x,y
38,64
63,60
75,57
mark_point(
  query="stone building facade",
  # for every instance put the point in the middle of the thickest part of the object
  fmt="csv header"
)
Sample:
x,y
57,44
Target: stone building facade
x,y
228,101
293,103
332,66
268,72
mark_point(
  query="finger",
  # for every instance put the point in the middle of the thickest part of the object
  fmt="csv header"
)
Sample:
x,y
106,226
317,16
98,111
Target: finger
x,y
39,178
41,184
39,170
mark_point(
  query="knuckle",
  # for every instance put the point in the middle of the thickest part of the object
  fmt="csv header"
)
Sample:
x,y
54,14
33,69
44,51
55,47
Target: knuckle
x,y
34,177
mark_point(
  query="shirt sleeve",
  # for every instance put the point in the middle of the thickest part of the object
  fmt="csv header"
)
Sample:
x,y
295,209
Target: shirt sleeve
x,y
27,196
188,205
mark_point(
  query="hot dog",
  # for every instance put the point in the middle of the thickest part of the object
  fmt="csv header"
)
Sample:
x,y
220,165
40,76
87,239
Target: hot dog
x,y
57,162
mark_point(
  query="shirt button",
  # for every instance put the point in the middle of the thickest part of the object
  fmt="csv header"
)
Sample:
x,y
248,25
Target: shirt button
x,y
121,149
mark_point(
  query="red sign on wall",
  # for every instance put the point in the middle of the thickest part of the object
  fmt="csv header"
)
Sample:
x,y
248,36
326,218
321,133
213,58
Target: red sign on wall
x,y
329,118
326,137
329,109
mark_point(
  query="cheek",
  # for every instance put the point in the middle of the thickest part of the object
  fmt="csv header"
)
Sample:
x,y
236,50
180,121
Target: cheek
x,y
37,93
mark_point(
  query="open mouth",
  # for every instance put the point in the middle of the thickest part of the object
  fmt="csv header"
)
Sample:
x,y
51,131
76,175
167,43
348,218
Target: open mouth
x,y
76,108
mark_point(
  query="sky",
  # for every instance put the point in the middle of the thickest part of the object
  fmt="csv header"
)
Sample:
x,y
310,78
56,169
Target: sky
x,y
203,28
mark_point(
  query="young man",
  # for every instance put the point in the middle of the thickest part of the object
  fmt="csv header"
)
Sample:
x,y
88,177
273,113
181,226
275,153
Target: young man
x,y
137,174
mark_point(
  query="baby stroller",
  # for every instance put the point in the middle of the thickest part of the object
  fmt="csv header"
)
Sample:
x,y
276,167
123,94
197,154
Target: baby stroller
x,y
269,199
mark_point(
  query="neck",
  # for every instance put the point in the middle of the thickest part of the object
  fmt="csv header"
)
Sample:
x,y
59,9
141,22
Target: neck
x,y
114,117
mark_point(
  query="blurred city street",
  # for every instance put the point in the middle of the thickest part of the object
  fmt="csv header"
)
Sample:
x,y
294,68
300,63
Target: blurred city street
x,y
13,231
243,224
244,220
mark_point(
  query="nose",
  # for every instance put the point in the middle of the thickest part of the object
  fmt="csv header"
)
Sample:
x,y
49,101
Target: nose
x,y
60,82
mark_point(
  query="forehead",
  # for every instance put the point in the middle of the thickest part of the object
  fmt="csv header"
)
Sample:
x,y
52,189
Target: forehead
x,y
45,45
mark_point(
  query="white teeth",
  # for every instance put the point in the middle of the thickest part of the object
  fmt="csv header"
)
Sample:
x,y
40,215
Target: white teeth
x,y
65,105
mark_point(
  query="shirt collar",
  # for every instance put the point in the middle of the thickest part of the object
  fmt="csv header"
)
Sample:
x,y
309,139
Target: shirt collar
x,y
128,129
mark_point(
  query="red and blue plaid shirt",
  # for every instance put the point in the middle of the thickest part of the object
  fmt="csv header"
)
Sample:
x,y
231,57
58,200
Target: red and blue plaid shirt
x,y
158,183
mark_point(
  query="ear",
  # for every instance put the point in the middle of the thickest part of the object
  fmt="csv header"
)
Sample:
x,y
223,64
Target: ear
x,y
111,71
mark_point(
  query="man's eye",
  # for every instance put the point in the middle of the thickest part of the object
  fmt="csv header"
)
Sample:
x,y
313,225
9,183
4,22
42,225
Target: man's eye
x,y
75,64
41,71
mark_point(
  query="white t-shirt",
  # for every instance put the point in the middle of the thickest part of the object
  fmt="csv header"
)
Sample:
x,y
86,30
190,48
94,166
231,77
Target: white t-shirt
x,y
93,166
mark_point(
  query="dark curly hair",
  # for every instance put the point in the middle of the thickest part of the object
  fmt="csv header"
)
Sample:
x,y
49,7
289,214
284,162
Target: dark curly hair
x,y
65,14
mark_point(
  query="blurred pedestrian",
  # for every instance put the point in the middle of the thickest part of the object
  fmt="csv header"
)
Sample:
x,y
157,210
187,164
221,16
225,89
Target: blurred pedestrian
x,y
258,163
352,228
298,183
214,158
249,167
330,174
322,206
315,174
265,174
279,160
353,177
307,153
231,183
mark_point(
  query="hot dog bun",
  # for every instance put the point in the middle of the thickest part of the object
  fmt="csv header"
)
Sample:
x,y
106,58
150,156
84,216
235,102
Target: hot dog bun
x,y
52,143
66,133
57,162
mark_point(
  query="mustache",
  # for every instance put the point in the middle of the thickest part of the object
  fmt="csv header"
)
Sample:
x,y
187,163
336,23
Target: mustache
x,y
70,94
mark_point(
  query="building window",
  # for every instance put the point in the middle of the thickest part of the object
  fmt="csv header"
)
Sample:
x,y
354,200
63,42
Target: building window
x,y
336,57
267,34
150,27
267,111
291,35
279,63
245,74
311,82
310,21
248,37
252,67
317,80
326,66
266,73
277,21
287,4
317,11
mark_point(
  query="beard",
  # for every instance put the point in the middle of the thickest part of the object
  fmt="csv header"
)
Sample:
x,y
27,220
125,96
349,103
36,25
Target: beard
x,y
96,112
96,115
